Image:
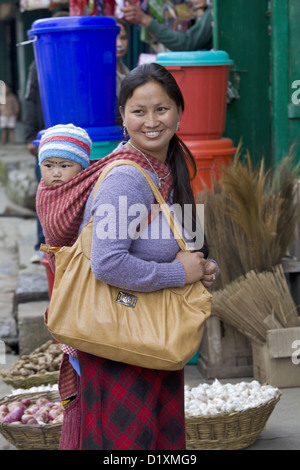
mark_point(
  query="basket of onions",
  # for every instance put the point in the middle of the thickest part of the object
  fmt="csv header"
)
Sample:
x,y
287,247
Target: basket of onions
x,y
32,421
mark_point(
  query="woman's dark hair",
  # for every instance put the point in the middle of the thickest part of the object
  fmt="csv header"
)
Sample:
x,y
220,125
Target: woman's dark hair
x,y
179,158
122,23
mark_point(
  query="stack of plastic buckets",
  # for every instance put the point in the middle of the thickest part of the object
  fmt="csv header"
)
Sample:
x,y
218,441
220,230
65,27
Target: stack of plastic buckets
x,y
203,79
76,65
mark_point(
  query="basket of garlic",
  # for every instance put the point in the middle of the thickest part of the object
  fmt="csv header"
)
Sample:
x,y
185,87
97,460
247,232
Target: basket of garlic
x,y
32,421
229,416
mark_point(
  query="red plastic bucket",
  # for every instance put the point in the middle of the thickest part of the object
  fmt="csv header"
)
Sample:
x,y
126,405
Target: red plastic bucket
x,y
50,274
203,80
210,156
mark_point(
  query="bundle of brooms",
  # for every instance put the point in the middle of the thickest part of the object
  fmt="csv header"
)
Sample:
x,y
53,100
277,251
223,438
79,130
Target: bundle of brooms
x,y
250,220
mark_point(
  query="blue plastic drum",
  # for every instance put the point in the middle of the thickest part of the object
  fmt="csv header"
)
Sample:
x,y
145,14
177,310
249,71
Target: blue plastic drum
x,y
76,65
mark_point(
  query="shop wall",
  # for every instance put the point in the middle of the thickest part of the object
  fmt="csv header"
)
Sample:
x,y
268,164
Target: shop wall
x,y
262,37
242,28
285,79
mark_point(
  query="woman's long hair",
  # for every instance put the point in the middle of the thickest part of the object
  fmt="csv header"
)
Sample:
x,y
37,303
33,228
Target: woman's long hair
x,y
179,158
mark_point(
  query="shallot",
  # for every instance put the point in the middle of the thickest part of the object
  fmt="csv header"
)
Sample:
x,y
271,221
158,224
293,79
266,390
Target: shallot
x,y
15,415
25,411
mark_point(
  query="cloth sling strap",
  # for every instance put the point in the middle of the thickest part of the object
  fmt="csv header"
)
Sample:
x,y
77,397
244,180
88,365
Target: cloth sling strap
x,y
157,195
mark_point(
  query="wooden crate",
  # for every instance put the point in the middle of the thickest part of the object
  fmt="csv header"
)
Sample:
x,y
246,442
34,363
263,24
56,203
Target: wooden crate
x,y
278,361
224,351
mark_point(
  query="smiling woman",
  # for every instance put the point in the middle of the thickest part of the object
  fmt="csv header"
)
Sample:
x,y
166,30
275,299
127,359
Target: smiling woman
x,y
118,406
151,118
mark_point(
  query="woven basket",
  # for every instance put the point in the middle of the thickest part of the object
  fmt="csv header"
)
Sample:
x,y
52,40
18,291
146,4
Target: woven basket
x,y
49,378
228,431
32,437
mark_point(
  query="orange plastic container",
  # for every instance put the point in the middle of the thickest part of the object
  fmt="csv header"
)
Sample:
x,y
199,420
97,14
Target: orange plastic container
x,y
203,79
210,156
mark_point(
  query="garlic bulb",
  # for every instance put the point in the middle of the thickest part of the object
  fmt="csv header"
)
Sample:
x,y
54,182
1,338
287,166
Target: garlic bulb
x,y
216,398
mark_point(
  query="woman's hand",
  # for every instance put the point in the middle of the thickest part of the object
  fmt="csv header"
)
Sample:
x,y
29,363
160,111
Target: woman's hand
x,y
194,265
210,275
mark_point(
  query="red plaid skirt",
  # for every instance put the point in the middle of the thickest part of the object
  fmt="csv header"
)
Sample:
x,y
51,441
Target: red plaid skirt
x,y
123,407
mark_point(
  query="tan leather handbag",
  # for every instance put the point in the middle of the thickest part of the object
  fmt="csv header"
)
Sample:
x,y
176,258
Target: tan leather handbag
x,y
156,330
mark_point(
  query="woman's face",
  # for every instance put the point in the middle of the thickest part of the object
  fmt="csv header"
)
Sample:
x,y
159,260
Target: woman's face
x,y
150,117
122,42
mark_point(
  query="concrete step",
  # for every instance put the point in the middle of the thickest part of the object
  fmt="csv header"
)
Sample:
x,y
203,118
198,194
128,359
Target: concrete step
x,y
23,285
31,299
32,331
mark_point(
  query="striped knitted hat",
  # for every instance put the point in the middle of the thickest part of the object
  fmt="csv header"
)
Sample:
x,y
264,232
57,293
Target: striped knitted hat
x,y
66,141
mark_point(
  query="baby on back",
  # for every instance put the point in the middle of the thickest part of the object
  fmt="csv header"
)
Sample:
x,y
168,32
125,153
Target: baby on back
x,y
64,152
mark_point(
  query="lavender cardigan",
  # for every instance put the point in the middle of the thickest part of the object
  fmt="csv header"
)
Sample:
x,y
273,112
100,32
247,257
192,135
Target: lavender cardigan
x,y
146,263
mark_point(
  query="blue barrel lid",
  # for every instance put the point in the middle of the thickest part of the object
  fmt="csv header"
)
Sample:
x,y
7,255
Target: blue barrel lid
x,y
71,23
193,58
97,134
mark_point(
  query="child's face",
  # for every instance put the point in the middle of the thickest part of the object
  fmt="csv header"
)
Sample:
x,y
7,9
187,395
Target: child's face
x,y
56,171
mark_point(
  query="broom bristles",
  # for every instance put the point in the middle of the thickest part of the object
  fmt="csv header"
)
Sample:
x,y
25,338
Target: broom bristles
x,y
256,303
250,219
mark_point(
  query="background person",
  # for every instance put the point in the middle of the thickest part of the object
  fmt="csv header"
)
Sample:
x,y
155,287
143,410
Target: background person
x,y
9,112
197,37
122,48
34,123
122,69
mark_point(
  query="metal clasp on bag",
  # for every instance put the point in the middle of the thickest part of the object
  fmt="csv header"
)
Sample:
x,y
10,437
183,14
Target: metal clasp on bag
x,y
124,298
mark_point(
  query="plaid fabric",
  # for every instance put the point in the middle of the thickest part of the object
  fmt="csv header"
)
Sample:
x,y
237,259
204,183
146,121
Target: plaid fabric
x,y
60,208
69,391
69,350
130,408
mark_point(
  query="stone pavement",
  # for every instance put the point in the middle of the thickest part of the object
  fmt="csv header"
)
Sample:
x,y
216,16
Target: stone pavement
x,y
24,295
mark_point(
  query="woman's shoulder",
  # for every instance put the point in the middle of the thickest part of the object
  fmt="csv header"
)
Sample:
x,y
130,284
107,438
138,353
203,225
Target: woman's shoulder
x,y
129,176
131,171
124,181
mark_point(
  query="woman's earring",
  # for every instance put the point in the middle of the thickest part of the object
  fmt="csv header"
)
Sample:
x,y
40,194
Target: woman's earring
x,y
177,127
125,131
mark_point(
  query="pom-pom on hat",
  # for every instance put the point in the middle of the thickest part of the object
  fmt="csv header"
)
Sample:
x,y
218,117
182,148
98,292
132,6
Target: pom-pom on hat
x,y
66,141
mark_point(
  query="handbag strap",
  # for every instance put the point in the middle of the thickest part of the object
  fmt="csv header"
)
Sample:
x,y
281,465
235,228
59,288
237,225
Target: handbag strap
x,y
177,232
